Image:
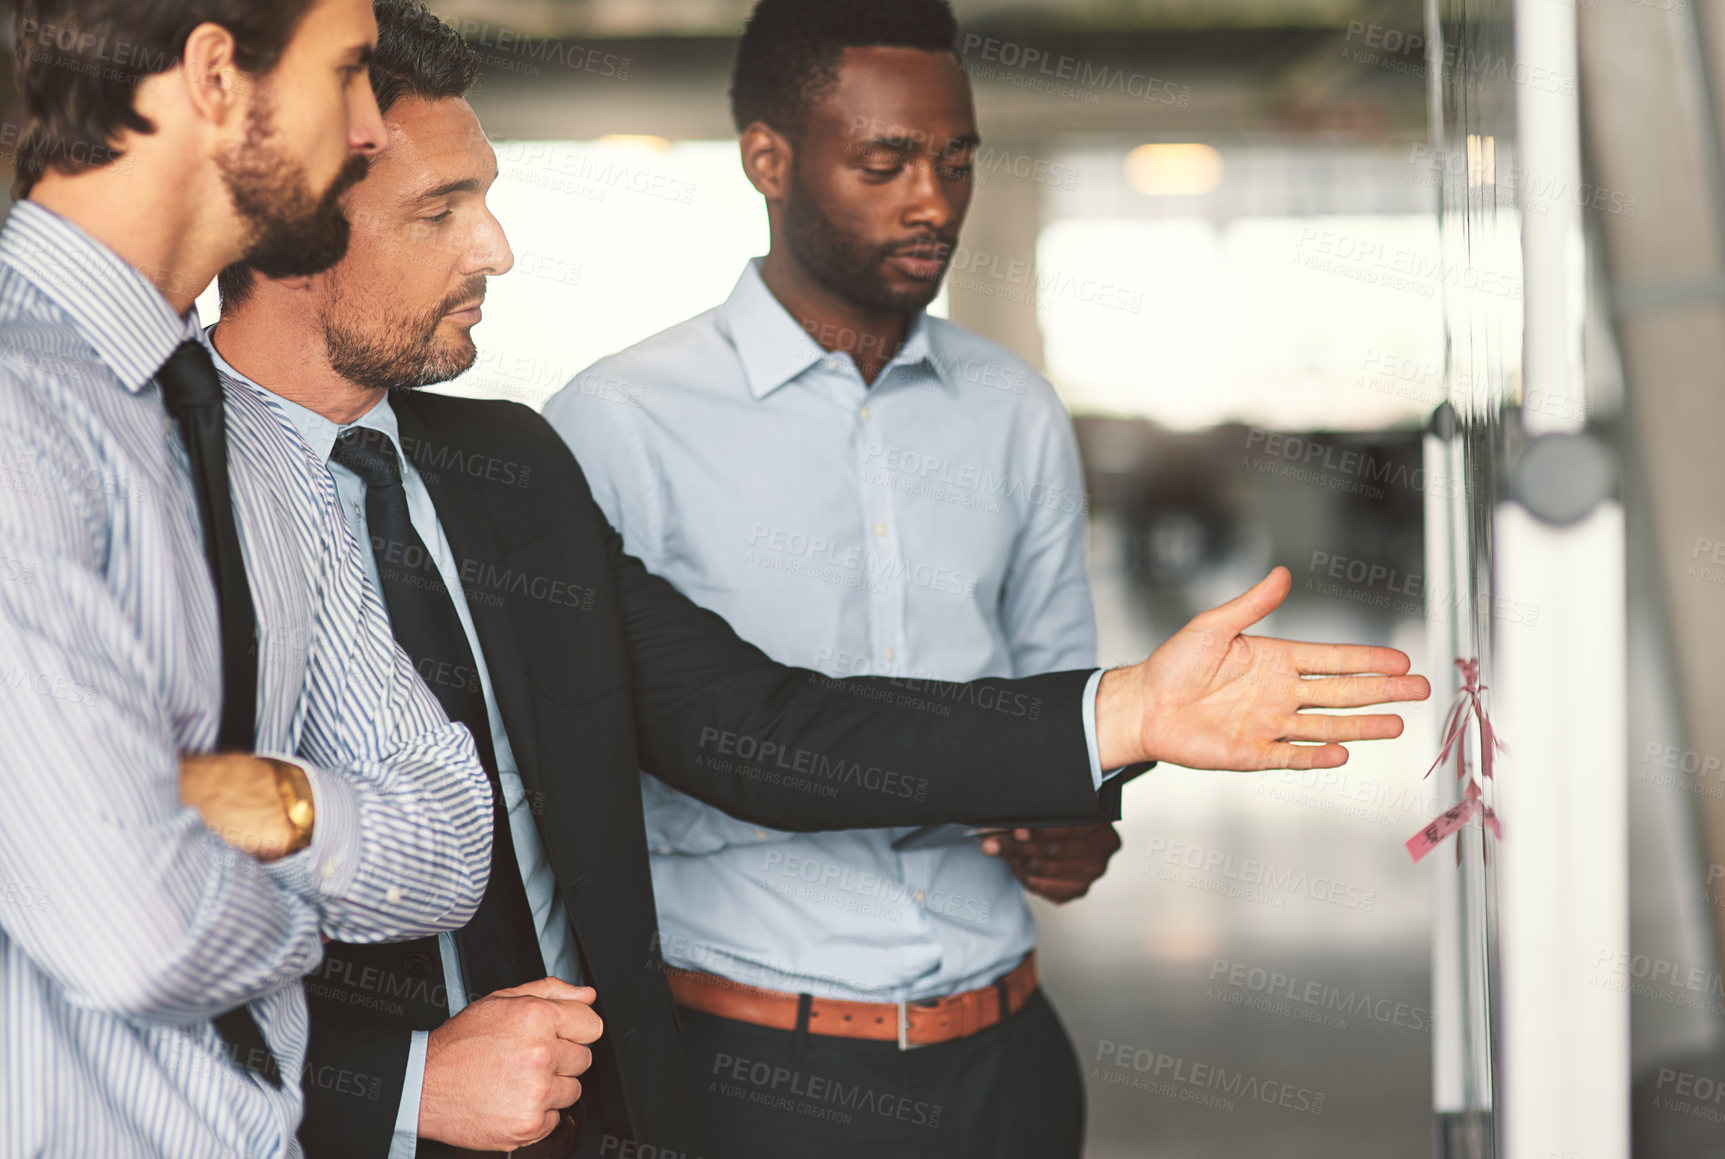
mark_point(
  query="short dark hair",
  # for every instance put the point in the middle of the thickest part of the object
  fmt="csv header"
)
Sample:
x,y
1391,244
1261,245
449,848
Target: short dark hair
x,y
417,55
789,54
79,64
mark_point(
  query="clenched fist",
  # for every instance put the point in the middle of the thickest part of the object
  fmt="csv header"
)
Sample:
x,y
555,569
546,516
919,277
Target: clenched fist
x,y
498,1074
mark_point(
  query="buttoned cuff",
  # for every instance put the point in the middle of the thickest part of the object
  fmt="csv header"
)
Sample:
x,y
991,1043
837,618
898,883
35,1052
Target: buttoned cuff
x,y
405,1141
326,867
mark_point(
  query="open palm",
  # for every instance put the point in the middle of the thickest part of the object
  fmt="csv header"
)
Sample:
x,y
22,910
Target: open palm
x,y
1212,697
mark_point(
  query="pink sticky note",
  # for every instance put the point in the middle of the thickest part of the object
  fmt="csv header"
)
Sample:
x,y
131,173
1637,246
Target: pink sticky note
x,y
1447,822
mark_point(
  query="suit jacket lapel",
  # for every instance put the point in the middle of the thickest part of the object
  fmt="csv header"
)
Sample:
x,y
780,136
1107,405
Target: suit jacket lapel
x,y
468,524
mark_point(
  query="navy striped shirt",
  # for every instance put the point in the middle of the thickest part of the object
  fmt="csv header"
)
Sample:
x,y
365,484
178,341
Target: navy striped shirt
x,y
125,924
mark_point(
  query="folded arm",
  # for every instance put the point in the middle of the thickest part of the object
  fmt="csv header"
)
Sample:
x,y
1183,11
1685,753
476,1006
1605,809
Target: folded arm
x,y
145,913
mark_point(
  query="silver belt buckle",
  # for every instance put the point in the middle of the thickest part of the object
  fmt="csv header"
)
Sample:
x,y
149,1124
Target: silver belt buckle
x,y
904,1042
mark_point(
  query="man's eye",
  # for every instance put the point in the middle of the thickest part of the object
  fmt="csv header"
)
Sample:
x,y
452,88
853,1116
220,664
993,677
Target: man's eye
x,y
439,218
956,172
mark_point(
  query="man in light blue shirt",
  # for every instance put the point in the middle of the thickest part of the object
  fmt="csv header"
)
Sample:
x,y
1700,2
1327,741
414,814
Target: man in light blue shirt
x,y
861,489
923,526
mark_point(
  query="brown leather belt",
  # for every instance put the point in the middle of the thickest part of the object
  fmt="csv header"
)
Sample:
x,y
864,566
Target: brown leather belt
x,y
910,1024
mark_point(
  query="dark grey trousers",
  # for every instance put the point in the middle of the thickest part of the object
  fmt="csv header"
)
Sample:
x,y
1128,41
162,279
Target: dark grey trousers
x,y
1015,1091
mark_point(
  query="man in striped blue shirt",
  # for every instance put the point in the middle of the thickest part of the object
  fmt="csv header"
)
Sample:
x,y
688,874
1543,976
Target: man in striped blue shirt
x,y
165,141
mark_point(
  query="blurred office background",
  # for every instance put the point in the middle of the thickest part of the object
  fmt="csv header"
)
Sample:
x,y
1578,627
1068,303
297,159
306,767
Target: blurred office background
x,y
1217,232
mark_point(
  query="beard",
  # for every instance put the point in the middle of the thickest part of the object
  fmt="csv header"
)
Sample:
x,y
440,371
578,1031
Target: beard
x,y
846,264
293,231
399,352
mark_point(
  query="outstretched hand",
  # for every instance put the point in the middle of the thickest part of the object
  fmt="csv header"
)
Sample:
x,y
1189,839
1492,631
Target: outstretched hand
x,y
1212,697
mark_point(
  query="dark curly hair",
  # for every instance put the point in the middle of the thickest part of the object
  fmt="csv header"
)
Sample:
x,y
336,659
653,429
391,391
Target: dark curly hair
x,y
79,62
788,58
417,55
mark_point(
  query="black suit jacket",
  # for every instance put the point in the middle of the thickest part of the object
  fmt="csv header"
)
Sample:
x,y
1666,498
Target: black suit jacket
x,y
601,669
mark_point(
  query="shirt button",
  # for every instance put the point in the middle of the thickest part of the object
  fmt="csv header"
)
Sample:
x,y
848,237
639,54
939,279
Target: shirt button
x,y
864,413
663,849
392,895
328,870
761,834
879,530
832,361
919,897
889,655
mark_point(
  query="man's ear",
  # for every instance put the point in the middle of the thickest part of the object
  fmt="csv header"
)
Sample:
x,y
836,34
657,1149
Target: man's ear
x,y
216,88
766,158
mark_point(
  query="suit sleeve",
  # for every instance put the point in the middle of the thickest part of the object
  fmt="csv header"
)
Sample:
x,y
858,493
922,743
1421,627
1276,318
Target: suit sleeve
x,y
790,748
356,1067
794,749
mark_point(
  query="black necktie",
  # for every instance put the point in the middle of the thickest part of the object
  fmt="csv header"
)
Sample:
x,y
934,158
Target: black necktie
x,y
192,393
499,947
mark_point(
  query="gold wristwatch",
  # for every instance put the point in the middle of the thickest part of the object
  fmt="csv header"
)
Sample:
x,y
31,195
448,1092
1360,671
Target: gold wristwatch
x,y
295,790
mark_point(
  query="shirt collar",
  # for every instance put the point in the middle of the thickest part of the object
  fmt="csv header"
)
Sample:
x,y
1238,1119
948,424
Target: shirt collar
x,y
318,432
918,349
124,318
774,349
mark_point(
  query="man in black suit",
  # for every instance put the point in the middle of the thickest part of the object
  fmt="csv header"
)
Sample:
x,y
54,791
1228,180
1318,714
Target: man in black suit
x,y
575,668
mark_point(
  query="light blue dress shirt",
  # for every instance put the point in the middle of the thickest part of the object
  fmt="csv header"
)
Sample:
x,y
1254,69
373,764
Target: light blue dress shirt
x,y
128,922
550,918
932,526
